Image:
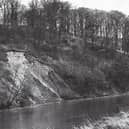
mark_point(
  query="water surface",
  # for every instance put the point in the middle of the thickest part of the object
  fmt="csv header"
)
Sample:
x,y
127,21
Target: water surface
x,y
62,115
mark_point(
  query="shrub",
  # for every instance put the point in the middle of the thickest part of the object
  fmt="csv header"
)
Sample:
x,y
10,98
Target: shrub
x,y
118,75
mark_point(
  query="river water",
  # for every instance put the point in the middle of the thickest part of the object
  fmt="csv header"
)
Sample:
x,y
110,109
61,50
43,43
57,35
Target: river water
x,y
62,115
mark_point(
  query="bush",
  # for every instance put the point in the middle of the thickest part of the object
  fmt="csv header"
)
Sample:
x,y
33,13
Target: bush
x,y
118,75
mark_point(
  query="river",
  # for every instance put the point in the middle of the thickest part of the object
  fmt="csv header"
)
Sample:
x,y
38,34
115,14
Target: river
x,y
62,115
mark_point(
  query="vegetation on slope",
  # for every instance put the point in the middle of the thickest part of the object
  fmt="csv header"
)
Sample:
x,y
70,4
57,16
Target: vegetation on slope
x,y
65,74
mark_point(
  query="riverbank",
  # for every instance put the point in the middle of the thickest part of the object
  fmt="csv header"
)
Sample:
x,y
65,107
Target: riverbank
x,y
120,101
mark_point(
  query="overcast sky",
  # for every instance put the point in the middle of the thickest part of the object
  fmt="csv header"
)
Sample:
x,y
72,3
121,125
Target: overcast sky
x,y
121,5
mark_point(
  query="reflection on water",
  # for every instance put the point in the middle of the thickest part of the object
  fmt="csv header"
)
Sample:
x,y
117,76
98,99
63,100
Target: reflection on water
x,y
64,115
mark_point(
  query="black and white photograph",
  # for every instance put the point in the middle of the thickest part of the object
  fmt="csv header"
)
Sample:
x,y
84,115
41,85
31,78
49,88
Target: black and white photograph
x,y
64,64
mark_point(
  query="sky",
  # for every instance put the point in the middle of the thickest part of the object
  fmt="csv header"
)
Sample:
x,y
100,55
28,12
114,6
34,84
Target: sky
x,y
120,5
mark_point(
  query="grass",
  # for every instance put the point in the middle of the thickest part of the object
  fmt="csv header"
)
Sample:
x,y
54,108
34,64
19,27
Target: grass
x,y
120,121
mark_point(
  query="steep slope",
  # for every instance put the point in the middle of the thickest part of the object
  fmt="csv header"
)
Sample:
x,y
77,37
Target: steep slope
x,y
23,82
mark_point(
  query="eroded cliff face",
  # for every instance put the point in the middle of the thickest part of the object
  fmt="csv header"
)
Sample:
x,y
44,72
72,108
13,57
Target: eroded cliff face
x,y
23,82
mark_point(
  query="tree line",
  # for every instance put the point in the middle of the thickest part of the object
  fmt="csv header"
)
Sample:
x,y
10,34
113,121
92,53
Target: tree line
x,y
48,20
